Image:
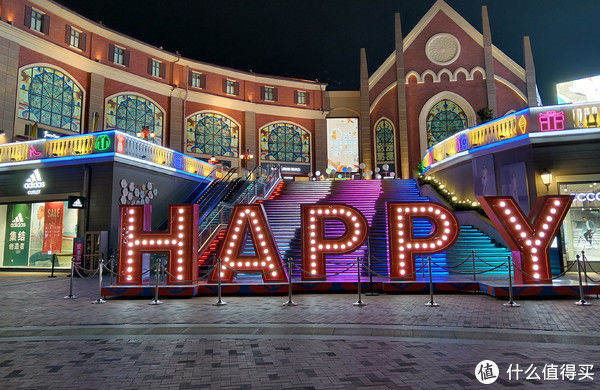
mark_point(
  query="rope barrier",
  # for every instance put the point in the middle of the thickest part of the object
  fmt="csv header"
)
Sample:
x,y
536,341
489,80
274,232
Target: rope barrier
x,y
586,261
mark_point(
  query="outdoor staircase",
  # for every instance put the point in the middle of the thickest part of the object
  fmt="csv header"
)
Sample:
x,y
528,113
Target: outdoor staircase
x,y
370,198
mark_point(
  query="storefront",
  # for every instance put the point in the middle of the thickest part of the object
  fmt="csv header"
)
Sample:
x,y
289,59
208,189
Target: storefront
x,y
31,233
36,223
580,228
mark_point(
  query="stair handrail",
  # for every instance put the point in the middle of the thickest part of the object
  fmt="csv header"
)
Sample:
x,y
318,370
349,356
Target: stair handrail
x,y
271,181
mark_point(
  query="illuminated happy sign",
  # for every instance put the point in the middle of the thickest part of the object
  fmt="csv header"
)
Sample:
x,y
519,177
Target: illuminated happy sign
x,y
528,237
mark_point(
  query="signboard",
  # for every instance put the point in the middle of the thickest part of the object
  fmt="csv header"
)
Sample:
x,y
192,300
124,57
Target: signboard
x,y
16,241
76,202
342,144
34,183
53,227
78,243
579,91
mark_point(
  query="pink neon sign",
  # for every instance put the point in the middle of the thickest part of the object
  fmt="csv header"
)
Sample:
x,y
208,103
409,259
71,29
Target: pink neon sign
x,y
552,121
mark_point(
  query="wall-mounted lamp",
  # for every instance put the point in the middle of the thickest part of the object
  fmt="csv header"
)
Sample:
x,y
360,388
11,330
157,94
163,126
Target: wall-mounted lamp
x,y
546,177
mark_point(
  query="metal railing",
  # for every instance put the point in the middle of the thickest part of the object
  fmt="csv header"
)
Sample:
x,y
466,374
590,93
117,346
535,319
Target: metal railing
x,y
530,120
259,188
102,142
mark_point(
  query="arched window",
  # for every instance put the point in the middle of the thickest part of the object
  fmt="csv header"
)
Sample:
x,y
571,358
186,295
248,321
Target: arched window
x,y
49,97
213,134
443,120
384,142
130,113
284,142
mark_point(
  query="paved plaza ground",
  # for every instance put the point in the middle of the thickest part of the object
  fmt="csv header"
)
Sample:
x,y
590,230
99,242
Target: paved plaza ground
x,y
325,342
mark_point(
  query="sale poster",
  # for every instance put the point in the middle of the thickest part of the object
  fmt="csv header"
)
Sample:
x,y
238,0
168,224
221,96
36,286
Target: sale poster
x,y
53,227
16,242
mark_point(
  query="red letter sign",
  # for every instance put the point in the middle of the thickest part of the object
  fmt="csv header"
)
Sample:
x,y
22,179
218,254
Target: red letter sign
x,y
528,237
314,244
404,245
180,242
267,260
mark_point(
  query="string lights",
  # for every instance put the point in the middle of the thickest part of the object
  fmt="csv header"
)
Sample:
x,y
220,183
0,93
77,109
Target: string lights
x,y
315,246
180,243
449,196
249,222
529,237
404,246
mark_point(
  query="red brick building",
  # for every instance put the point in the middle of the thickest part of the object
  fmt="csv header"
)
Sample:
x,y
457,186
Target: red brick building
x,y
70,75
431,86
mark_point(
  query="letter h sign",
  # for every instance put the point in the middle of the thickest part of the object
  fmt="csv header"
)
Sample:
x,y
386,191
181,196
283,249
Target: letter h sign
x,y
179,242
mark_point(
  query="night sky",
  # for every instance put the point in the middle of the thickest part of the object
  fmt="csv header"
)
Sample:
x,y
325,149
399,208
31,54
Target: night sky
x,y
320,39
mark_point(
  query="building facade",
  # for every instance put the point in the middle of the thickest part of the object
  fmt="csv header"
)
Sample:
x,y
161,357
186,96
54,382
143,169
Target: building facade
x,y
70,75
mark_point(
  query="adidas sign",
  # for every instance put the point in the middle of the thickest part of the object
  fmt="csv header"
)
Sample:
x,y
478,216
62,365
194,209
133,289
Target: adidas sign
x,y
77,203
34,183
18,222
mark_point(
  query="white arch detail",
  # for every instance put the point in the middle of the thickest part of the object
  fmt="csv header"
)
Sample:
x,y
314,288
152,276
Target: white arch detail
x,y
456,98
453,76
477,69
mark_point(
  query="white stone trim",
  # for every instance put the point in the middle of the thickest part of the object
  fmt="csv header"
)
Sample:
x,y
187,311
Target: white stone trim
x,y
310,138
84,92
429,54
381,95
456,98
95,28
511,86
442,6
85,64
375,139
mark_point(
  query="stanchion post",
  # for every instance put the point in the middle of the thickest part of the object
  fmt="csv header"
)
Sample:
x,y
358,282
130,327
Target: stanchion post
x,y
423,267
53,261
290,302
581,301
159,265
100,266
71,296
359,302
511,302
473,256
372,292
584,259
112,269
431,302
220,302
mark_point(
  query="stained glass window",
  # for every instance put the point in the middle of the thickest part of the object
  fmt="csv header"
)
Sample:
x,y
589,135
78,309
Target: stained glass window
x,y
384,141
213,134
443,120
284,142
48,96
129,113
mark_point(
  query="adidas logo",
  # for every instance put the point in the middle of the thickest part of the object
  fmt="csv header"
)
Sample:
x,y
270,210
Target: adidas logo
x,y
34,183
77,203
18,222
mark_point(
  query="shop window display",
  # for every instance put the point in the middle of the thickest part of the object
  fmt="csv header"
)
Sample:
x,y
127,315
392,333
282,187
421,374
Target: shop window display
x,y
33,232
581,229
